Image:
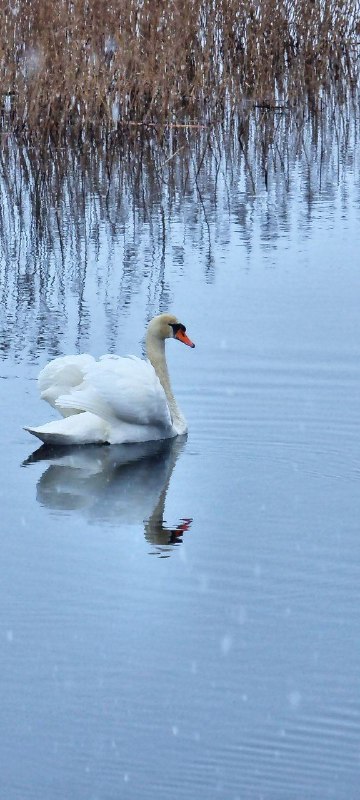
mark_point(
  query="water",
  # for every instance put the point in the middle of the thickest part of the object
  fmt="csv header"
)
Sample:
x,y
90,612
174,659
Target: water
x,y
183,619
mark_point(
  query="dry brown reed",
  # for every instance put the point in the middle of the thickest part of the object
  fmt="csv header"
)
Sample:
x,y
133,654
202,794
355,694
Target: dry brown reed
x,y
97,65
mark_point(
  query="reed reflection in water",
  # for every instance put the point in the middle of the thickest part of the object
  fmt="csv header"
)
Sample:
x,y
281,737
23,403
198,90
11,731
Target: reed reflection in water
x,y
116,485
114,219
237,657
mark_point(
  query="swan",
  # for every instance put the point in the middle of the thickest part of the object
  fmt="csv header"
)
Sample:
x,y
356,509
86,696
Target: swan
x,y
114,400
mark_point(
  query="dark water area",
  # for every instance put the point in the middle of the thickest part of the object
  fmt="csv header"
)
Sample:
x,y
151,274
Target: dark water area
x,y
182,618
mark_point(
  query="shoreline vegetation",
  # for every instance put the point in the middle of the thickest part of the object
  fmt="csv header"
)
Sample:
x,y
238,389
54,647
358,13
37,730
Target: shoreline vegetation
x,y
118,119
90,67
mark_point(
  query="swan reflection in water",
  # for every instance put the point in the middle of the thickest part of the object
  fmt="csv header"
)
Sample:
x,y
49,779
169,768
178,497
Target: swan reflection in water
x,y
117,484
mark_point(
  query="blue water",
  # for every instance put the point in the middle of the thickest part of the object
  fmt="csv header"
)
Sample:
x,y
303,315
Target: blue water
x,y
184,621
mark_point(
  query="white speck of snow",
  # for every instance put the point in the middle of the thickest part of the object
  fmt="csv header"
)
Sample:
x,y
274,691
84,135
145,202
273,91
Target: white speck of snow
x,y
110,45
115,111
33,62
226,644
294,699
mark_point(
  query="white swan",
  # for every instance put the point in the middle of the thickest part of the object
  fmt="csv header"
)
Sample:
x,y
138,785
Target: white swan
x,y
116,399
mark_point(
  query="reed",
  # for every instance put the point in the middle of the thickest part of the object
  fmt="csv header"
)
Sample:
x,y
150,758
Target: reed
x,y
95,65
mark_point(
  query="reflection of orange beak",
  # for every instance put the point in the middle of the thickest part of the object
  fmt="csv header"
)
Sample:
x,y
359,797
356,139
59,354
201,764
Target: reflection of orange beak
x,y
181,336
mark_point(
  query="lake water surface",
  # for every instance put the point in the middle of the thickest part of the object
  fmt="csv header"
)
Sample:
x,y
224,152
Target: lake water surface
x,y
183,620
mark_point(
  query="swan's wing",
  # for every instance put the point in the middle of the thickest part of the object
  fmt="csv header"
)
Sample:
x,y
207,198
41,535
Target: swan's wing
x,y
65,370
121,390
61,375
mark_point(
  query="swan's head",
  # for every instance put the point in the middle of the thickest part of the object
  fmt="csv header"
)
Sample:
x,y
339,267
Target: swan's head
x,y
166,326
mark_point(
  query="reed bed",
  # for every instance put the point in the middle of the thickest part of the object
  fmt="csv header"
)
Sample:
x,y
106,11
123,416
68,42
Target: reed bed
x,y
99,65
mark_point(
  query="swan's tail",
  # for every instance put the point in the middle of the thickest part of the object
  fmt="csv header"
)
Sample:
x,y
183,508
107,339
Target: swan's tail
x,y
85,428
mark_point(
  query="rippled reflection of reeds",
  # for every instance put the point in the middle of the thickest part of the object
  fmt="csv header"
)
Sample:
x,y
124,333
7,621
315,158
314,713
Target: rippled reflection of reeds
x,y
96,218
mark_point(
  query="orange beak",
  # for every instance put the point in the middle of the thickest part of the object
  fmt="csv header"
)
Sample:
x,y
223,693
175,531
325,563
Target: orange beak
x,y
181,336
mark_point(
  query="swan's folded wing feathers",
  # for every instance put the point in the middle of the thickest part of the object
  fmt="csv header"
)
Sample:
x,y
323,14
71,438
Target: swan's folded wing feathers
x,y
132,390
65,371
85,398
122,389
60,376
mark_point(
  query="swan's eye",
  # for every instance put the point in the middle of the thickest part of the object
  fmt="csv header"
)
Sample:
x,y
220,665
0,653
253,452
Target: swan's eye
x,y
177,326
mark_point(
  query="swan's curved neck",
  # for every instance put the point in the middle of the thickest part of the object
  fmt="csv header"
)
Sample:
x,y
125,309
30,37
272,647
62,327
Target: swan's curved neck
x,y
155,350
